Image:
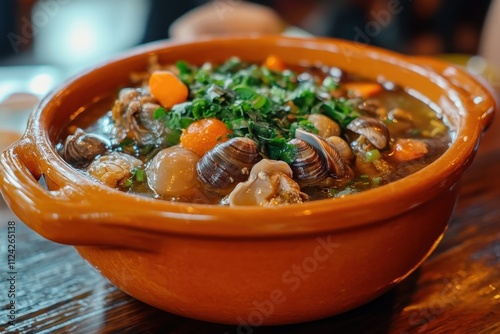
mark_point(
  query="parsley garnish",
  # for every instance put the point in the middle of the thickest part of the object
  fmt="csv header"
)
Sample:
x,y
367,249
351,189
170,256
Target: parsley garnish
x,y
255,102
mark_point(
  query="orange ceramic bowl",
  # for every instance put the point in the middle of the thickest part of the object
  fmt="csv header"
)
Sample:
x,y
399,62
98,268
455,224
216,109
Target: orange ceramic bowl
x,y
252,265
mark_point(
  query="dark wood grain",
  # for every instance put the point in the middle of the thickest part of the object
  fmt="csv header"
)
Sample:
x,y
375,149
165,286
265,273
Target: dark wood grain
x,y
457,290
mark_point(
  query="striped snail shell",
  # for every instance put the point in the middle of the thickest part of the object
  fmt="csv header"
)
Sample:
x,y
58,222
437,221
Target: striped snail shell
x,y
227,164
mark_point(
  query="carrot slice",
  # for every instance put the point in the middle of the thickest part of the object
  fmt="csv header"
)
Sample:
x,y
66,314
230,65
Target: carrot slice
x,y
363,89
409,149
202,135
274,63
167,88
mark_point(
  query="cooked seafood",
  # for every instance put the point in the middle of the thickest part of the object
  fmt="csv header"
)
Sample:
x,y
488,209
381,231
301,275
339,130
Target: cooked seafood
x,y
113,169
371,128
325,125
270,183
334,163
227,164
81,148
133,113
342,147
254,134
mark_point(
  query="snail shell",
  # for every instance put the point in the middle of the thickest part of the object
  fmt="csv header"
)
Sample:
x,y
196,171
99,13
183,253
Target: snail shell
x,y
227,164
325,125
398,114
81,148
373,129
370,106
334,163
308,168
342,147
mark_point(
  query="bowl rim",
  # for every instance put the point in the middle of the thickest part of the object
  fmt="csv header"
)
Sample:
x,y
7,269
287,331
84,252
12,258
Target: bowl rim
x,y
217,220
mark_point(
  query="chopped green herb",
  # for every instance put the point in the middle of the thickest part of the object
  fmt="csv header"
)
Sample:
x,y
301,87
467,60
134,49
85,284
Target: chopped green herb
x,y
138,176
267,106
173,137
159,113
185,121
279,149
330,83
183,67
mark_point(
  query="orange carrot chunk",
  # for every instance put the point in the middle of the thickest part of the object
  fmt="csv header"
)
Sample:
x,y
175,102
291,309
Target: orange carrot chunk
x,y
202,135
362,89
409,149
167,88
274,63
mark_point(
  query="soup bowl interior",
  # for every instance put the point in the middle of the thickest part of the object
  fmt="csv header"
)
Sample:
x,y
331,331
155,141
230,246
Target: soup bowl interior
x,y
250,265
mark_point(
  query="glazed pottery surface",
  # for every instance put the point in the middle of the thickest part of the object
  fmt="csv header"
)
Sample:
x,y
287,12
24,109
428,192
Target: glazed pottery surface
x,y
250,266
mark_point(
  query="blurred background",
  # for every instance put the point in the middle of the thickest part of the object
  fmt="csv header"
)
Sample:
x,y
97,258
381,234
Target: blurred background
x,y
43,42
74,32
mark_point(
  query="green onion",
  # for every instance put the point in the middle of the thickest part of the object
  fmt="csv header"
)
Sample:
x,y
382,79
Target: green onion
x,y
140,175
127,184
372,155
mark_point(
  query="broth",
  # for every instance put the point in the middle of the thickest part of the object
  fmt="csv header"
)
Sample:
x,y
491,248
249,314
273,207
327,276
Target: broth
x,y
335,134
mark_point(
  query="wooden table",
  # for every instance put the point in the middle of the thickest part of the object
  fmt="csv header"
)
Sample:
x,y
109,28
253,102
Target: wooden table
x,y
457,290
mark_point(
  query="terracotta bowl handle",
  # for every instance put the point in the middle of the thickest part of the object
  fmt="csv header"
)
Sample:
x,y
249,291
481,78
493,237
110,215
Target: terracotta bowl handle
x,y
478,93
60,214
